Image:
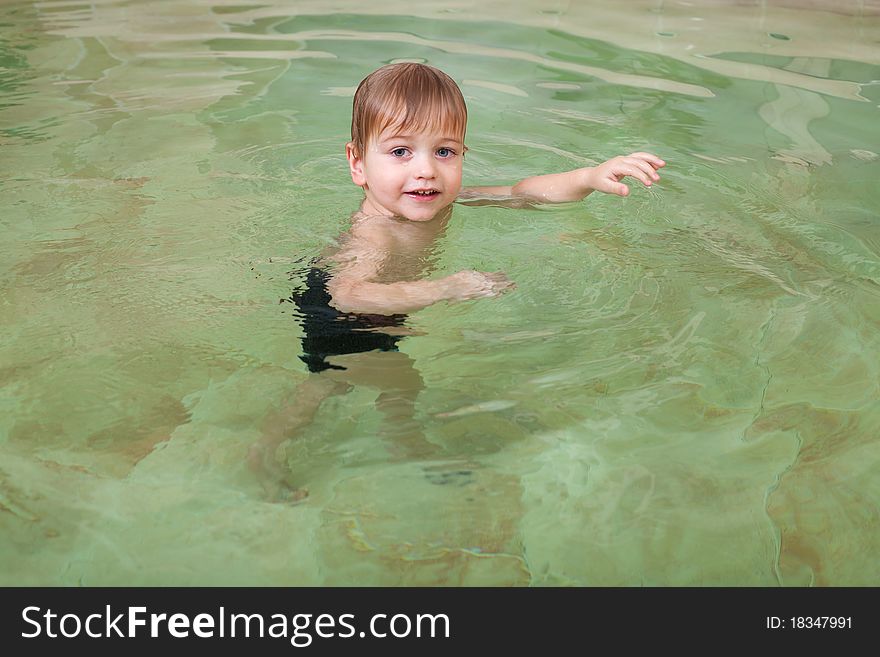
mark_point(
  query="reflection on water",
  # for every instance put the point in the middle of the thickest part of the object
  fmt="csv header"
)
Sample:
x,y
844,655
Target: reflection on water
x,y
682,389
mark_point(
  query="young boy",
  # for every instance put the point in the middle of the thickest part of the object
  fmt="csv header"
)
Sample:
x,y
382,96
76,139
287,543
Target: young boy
x,y
406,150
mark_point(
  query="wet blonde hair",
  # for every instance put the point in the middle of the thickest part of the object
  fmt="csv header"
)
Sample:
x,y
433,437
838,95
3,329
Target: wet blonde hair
x,y
408,97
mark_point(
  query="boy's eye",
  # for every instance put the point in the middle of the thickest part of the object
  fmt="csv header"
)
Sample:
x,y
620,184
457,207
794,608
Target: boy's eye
x,y
445,152
398,152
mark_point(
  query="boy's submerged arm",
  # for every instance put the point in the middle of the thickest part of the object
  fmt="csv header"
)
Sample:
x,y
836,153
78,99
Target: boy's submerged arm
x,y
354,290
359,296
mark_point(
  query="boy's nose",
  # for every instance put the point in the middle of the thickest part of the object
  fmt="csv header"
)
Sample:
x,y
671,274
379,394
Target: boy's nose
x,y
425,167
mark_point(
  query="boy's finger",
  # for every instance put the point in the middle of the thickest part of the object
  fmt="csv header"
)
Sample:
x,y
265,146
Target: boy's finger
x,y
616,188
655,161
643,166
635,172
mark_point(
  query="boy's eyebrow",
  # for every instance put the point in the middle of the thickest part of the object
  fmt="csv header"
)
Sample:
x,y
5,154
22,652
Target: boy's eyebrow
x,y
393,137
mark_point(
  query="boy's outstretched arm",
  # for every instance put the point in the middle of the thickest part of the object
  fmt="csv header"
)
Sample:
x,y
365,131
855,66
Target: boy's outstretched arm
x,y
579,183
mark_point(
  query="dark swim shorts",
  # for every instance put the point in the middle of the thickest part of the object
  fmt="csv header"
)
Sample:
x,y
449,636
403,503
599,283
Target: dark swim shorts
x,y
329,332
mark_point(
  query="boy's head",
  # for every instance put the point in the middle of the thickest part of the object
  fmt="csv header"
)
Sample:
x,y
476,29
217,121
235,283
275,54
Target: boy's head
x,y
407,140
407,97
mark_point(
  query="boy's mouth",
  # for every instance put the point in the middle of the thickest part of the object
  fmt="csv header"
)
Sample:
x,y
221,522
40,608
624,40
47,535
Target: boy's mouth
x,y
422,194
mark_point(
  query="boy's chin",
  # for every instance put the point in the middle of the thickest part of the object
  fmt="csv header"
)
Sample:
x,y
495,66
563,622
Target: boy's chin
x,y
406,211
427,214
424,212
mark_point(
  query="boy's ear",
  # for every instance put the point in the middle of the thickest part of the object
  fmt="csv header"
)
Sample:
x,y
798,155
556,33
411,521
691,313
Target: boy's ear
x,y
356,165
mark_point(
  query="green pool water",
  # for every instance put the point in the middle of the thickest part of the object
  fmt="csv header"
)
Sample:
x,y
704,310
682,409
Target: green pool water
x,y
681,390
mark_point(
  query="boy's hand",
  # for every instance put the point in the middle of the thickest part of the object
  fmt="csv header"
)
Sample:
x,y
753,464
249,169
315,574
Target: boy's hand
x,y
607,176
576,184
479,284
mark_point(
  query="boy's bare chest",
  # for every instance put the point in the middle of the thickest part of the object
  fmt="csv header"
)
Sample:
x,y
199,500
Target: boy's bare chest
x,y
407,250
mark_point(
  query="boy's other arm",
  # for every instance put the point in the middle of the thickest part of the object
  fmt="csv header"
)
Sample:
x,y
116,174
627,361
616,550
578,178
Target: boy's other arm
x,y
353,290
577,184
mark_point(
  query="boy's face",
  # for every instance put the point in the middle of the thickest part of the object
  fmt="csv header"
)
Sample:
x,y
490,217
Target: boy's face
x,y
411,175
